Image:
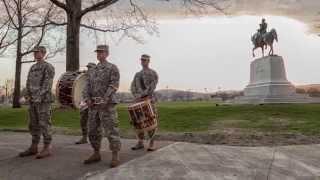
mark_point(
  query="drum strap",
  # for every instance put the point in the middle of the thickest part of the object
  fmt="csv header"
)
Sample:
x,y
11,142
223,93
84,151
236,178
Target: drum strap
x,y
42,78
143,86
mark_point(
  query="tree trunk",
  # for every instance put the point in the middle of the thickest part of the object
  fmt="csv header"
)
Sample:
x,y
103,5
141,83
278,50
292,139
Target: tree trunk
x,y
17,81
73,36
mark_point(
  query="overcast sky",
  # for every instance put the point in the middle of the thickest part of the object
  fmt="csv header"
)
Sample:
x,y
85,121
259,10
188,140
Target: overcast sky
x,y
198,53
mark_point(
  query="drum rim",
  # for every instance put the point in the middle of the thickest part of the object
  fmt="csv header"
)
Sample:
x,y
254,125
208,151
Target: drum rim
x,y
139,103
73,88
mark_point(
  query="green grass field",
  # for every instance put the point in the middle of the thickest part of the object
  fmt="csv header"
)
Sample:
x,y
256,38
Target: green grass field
x,y
199,117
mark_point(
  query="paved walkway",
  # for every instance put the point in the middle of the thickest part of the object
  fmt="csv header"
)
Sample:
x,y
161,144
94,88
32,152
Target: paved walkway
x,y
65,164
174,161
186,161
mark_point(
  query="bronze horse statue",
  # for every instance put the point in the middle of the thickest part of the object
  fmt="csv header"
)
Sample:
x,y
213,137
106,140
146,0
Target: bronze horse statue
x,y
263,41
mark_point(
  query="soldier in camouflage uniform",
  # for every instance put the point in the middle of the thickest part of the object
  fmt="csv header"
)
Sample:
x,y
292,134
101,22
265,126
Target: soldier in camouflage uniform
x,y
100,96
39,84
143,86
84,112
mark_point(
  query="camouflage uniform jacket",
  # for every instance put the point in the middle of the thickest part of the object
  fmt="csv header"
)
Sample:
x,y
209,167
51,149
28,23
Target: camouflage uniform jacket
x,y
144,84
39,82
103,82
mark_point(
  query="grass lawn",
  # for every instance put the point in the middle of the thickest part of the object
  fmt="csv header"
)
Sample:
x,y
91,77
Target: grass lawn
x,y
199,116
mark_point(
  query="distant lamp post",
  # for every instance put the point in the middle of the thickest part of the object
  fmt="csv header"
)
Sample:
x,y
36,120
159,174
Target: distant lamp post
x,y
167,96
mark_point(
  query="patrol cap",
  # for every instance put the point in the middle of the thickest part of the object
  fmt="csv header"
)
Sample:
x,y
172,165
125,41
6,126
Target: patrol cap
x,y
40,49
102,48
91,65
145,57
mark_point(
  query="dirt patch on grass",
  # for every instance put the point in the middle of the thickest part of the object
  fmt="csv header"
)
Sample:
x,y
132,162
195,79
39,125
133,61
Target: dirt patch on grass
x,y
273,131
227,123
236,137
226,136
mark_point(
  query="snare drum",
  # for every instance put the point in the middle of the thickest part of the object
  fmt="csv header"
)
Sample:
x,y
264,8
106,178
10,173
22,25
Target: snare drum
x,y
142,116
69,88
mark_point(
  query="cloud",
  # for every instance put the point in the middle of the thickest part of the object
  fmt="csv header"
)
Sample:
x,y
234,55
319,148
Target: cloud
x,y
307,11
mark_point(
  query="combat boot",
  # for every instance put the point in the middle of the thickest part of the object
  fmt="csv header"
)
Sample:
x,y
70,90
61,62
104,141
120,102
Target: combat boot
x,y
138,146
115,159
151,146
32,150
95,157
83,140
46,152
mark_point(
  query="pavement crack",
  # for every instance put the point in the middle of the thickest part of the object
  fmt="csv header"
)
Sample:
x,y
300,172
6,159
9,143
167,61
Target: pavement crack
x,y
271,163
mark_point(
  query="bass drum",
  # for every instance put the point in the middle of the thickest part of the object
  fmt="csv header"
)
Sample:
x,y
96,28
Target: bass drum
x,y
69,88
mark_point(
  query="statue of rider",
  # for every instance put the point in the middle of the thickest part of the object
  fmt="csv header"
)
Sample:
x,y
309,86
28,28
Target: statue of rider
x,y
263,27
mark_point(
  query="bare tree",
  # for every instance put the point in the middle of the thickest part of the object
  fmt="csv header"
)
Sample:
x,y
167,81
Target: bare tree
x,y
5,40
4,29
27,24
81,13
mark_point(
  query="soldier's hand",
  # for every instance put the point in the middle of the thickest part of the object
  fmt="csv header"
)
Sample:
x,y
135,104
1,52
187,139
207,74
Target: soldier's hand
x,y
106,100
37,100
137,99
144,98
89,102
27,98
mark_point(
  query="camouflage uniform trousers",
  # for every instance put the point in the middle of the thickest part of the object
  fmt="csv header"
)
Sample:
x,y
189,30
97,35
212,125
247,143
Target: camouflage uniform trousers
x,y
84,121
151,133
40,122
104,117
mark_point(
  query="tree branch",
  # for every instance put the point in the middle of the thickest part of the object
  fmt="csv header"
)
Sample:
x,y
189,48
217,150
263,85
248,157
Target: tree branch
x,y
97,6
4,36
29,49
9,14
22,62
25,20
60,5
55,52
56,23
5,23
200,6
49,22
43,31
3,46
123,28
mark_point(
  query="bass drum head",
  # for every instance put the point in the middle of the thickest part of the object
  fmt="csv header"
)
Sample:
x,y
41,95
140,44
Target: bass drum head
x,y
78,87
64,88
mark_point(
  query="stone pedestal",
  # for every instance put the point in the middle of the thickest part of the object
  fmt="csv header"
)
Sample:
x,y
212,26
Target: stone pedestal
x,y
269,84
